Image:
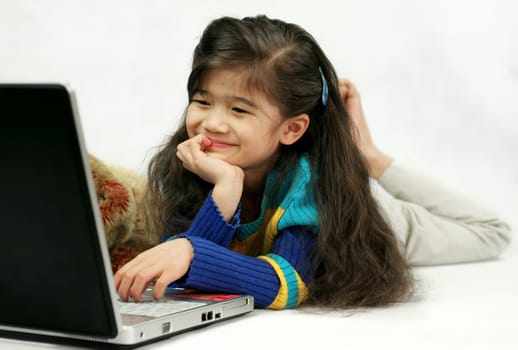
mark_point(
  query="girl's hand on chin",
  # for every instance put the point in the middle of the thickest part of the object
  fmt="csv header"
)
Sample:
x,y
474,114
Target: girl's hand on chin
x,y
227,179
194,158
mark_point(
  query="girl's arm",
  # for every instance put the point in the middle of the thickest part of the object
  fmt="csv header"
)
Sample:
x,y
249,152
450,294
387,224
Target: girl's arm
x,y
435,224
210,224
277,280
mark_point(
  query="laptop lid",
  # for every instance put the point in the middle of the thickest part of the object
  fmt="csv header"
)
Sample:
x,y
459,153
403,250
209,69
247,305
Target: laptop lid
x,y
50,252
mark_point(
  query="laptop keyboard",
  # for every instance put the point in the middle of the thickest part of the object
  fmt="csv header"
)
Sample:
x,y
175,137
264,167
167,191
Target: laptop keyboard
x,y
156,309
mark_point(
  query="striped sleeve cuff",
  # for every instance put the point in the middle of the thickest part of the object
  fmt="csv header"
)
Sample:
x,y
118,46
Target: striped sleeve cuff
x,y
293,290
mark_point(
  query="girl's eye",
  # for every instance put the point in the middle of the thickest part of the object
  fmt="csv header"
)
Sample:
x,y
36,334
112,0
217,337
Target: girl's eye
x,y
239,110
200,102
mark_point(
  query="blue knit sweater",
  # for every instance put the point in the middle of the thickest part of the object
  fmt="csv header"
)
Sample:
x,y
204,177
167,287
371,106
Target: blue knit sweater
x,y
268,258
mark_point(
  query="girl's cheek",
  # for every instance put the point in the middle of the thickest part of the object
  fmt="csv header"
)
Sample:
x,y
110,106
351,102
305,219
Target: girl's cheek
x,y
190,124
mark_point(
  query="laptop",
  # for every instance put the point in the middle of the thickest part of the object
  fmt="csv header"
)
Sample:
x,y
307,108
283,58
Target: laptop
x,y
55,273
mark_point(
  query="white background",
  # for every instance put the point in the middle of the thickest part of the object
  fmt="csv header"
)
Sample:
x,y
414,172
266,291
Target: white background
x,y
439,81
439,78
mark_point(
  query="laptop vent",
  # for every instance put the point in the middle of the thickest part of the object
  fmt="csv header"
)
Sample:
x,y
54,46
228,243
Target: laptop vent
x,y
99,339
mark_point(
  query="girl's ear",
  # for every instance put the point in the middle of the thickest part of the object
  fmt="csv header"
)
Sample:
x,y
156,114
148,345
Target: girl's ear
x,y
293,128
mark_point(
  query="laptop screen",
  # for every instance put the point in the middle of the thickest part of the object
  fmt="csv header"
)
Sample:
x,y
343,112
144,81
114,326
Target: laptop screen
x,y
52,276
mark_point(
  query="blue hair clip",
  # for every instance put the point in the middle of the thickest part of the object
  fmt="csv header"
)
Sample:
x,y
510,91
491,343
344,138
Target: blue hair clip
x,y
325,88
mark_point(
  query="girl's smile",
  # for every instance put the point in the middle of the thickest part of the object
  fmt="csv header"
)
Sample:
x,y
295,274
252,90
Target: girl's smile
x,y
217,143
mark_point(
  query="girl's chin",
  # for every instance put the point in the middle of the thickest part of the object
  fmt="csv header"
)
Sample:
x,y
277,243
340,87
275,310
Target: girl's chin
x,y
223,157
218,155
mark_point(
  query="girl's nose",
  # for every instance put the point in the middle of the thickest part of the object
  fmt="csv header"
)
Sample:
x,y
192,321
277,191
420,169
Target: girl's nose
x,y
215,122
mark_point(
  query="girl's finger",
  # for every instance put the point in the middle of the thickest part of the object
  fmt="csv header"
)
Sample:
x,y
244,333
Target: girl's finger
x,y
126,276
124,288
142,281
163,281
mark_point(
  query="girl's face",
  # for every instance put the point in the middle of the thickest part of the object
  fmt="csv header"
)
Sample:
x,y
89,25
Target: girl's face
x,y
245,128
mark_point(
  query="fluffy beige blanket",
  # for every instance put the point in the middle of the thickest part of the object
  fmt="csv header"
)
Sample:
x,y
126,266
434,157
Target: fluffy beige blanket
x,y
119,194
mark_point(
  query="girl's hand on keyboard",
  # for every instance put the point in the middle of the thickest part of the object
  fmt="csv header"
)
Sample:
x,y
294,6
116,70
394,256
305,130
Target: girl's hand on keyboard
x,y
166,263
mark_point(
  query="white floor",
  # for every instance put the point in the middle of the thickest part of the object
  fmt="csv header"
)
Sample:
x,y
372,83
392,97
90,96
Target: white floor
x,y
469,306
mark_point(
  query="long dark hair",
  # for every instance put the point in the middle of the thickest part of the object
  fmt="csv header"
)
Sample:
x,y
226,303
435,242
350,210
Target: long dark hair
x,y
357,258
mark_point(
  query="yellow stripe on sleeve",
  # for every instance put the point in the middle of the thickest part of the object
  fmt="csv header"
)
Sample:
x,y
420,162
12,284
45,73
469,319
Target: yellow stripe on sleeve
x,y
292,290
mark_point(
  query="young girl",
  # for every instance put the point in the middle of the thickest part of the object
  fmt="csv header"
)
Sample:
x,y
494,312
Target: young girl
x,y
265,188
